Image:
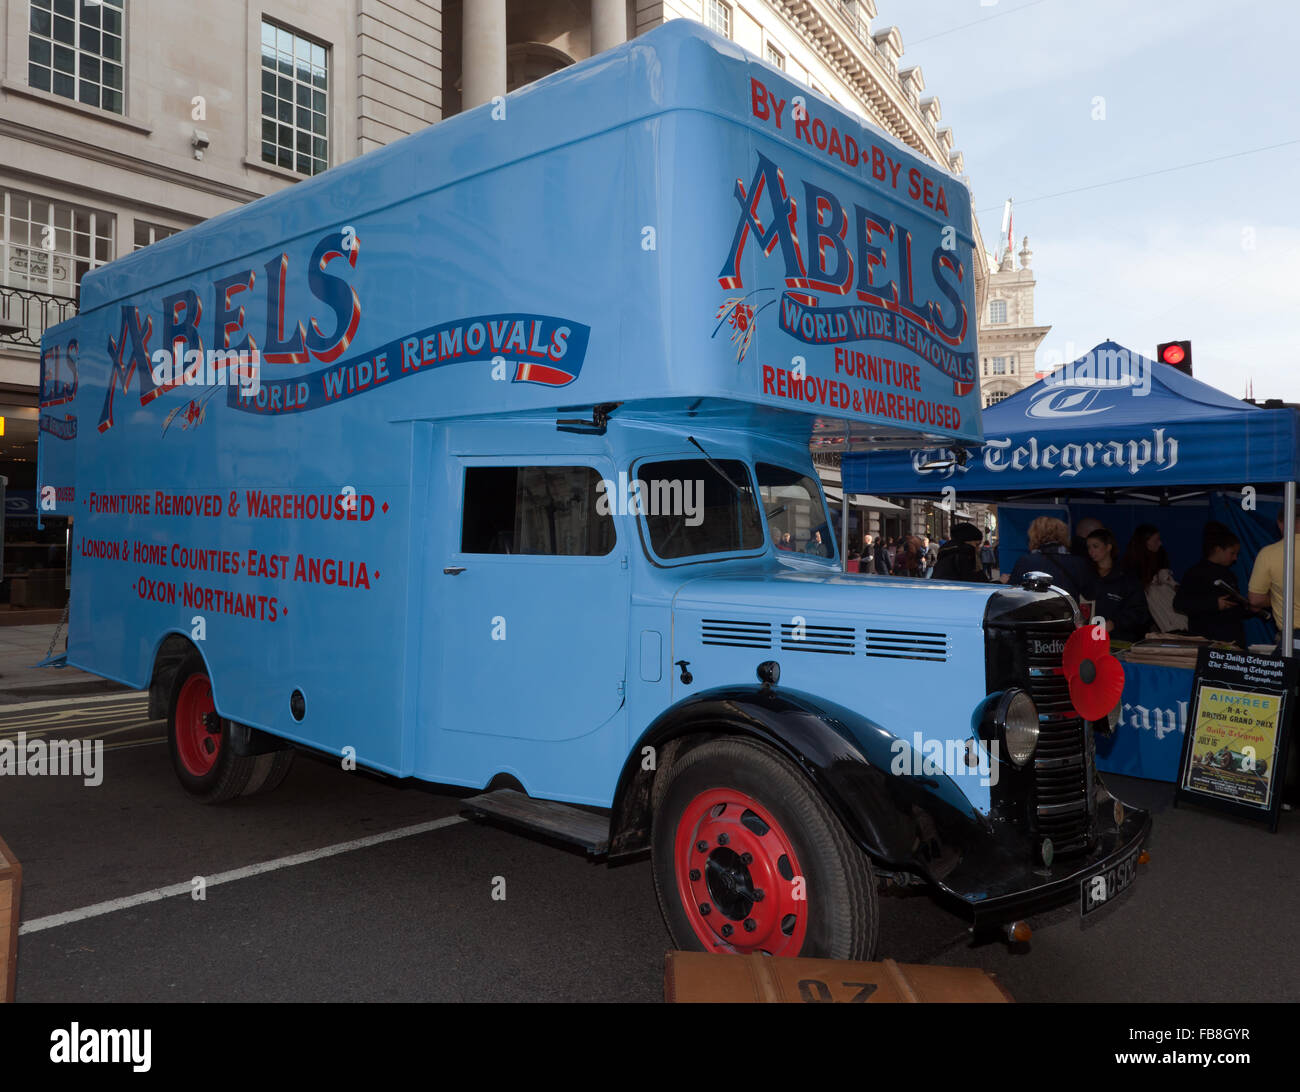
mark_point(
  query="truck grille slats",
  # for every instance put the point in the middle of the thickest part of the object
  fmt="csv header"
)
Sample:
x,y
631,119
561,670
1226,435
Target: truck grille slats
x,y
1061,766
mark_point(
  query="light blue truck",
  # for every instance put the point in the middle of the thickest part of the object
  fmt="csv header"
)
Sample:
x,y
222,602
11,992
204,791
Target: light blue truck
x,y
484,459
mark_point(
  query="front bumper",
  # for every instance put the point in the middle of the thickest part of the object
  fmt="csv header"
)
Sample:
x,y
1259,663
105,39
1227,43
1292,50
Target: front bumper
x,y
997,881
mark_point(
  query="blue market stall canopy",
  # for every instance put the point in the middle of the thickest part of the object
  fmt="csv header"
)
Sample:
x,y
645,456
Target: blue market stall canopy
x,y
1112,420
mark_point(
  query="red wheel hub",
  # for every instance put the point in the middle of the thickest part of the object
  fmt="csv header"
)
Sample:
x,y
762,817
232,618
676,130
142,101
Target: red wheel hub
x,y
197,743
738,877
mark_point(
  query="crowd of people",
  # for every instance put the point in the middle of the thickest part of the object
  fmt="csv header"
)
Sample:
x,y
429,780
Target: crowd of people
x,y
958,558
1133,590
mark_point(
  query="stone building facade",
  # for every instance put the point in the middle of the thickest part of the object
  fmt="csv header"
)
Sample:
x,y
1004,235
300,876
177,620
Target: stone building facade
x,y
1008,337
124,121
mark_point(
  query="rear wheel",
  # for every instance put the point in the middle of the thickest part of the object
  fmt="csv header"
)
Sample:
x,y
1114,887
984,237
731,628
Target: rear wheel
x,y
202,756
748,858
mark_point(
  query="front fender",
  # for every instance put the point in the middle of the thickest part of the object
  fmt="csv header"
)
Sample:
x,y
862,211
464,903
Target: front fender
x,y
895,817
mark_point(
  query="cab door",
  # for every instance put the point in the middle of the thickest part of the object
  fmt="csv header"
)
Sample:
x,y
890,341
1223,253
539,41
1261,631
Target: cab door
x,y
533,590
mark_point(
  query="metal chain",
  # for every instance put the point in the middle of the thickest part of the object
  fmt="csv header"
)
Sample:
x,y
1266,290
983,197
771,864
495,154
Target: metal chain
x,y
58,629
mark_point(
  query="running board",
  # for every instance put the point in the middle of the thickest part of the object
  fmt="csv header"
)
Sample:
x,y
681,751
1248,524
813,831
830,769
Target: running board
x,y
556,820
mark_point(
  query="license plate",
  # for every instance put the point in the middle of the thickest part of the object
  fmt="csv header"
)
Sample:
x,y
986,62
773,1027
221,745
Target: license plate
x,y
1101,887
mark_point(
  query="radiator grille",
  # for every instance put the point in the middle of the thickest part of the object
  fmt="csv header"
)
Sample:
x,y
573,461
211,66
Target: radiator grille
x,y
1061,762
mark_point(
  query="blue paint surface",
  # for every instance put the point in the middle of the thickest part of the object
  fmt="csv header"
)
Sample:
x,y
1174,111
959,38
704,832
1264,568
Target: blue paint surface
x,y
654,228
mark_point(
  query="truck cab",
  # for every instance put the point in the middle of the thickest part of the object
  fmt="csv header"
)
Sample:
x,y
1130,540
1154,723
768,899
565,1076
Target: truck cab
x,y
511,477
663,587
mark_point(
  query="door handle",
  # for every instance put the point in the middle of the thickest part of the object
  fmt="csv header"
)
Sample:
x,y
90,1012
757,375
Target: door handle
x,y
454,570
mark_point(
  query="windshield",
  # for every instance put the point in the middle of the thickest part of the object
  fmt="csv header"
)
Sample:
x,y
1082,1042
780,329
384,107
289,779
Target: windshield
x,y
691,509
796,516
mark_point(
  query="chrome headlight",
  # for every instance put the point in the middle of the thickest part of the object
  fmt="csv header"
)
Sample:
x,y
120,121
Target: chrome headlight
x,y
1016,719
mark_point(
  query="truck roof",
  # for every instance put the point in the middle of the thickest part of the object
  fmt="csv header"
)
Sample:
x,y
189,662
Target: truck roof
x,y
668,222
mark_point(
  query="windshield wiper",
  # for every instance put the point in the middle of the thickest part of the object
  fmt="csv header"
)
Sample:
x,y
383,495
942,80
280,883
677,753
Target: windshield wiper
x,y
708,459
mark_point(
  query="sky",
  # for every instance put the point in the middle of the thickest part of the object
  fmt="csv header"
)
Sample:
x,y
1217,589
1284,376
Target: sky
x,y
1059,104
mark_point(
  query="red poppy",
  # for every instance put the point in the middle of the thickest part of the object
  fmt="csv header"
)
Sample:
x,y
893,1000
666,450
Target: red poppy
x,y
1095,677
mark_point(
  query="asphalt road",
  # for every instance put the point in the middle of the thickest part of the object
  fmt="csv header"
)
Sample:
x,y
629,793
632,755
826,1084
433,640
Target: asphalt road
x,y
417,917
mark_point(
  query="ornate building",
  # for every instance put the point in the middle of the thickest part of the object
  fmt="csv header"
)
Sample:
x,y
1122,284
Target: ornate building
x,y
1008,338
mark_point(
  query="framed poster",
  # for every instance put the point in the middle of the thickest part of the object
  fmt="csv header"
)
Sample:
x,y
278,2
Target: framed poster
x,y
1234,750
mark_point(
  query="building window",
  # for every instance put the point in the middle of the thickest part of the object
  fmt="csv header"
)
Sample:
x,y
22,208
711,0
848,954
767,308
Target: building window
x,y
1011,360
999,365
295,86
998,311
995,397
146,234
775,56
717,17
48,246
74,49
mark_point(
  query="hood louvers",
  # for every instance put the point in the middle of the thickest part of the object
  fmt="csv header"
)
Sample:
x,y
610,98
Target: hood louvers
x,y
886,644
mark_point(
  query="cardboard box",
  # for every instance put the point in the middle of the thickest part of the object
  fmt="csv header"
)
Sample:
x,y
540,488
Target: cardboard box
x,y
701,976
11,882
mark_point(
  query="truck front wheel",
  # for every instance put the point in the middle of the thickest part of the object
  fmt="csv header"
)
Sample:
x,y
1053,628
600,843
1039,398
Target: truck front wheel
x,y
199,740
748,858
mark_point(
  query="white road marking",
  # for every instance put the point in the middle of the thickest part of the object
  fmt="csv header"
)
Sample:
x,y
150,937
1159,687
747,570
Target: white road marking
x,y
88,725
53,921
78,699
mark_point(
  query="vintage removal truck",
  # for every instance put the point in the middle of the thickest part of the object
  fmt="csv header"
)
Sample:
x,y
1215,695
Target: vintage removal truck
x,y
513,487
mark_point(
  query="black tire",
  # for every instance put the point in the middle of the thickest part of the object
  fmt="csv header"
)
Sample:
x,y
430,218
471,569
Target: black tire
x,y
268,771
228,774
839,918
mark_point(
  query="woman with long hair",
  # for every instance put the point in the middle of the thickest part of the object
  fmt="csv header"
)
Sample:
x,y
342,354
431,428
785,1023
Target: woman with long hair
x,y
1146,555
1118,595
1147,560
910,558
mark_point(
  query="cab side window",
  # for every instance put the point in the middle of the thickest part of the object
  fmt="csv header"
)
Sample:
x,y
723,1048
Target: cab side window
x,y
537,510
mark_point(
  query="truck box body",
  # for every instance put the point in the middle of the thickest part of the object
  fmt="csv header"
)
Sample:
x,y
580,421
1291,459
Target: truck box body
x,y
665,257
522,238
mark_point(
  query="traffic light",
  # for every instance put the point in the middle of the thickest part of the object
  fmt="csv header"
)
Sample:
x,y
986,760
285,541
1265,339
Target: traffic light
x,y
1177,354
